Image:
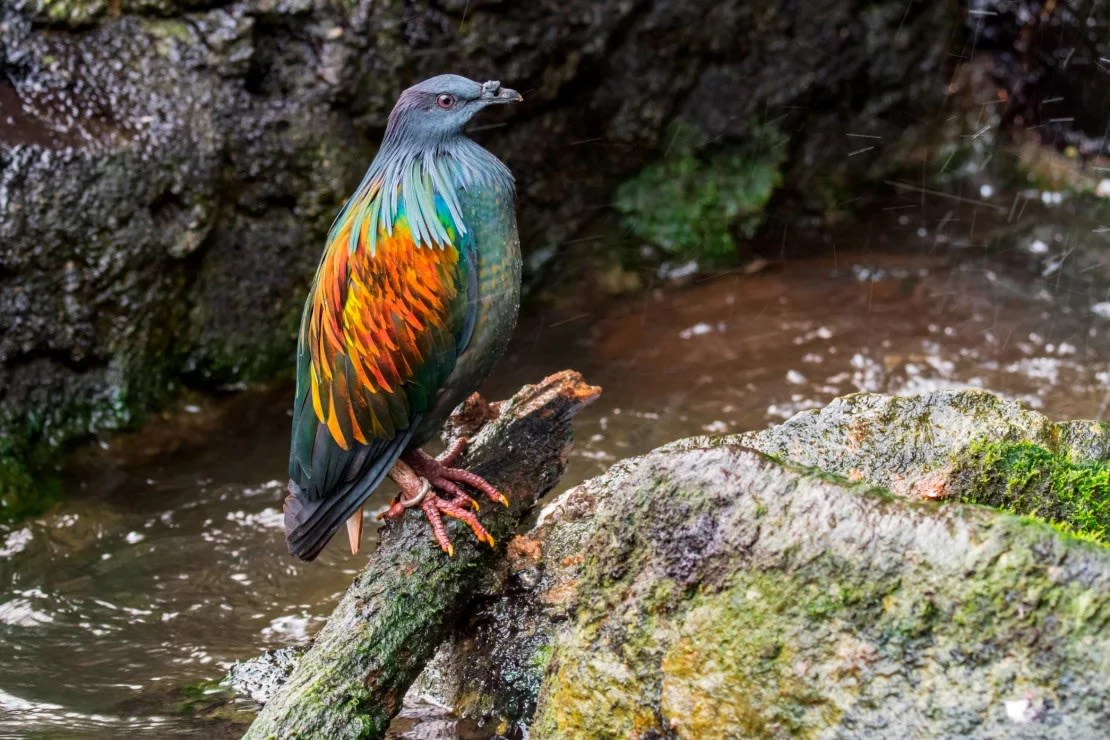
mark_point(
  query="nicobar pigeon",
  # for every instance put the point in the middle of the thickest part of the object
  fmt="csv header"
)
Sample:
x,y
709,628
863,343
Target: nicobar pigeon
x,y
413,303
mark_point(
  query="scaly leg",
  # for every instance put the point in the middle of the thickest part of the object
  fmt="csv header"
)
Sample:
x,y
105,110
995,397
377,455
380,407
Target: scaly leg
x,y
443,476
413,490
416,473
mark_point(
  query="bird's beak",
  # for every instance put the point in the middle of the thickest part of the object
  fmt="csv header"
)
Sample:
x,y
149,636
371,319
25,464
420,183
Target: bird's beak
x,y
492,92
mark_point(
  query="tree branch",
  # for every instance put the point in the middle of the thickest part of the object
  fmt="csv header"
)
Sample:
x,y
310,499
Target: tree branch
x,y
399,608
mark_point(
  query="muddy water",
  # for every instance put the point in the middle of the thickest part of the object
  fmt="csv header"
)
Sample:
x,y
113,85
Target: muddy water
x,y
166,562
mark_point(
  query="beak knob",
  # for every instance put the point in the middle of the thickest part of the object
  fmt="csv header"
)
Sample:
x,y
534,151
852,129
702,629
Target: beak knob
x,y
493,92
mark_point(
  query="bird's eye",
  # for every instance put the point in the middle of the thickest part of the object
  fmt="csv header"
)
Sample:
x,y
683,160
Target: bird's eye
x,y
447,102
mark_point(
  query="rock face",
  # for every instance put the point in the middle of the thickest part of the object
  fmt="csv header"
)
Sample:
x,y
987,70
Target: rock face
x,y
710,589
261,677
945,445
169,167
1051,60
162,181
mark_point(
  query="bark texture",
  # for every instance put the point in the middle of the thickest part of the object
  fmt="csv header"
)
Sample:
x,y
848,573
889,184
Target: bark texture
x,y
399,609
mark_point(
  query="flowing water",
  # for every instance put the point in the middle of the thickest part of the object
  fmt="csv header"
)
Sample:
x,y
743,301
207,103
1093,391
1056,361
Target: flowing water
x,y
165,561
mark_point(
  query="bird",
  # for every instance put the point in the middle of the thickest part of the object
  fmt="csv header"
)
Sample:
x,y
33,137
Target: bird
x,y
413,302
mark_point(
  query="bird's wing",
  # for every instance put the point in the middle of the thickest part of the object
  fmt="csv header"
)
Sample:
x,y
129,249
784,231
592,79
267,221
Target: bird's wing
x,y
384,324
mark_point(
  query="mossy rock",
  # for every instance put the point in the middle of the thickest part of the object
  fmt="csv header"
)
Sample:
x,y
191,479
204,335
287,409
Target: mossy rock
x,y
260,678
846,581
968,445
80,13
722,593
22,494
1026,478
144,248
696,201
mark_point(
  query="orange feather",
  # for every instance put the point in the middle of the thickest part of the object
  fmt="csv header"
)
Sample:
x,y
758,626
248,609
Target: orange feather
x,y
366,315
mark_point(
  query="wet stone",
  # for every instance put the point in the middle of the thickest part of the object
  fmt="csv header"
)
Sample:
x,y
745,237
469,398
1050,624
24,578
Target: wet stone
x,y
712,588
260,678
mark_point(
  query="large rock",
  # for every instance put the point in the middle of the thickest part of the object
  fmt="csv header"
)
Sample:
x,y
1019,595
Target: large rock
x,y
157,202
169,167
933,446
709,589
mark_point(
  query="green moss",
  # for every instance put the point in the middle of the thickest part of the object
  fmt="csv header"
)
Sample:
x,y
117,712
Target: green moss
x,y
734,662
69,12
1028,479
541,658
694,202
21,494
31,445
169,28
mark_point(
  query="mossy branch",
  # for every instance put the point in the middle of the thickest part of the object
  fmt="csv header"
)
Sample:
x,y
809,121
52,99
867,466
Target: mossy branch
x,y
400,607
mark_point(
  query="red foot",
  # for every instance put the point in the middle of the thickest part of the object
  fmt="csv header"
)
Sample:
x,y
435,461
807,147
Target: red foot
x,y
446,478
416,471
434,507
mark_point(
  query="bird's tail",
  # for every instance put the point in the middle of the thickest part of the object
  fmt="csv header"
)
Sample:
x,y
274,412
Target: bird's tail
x,y
310,523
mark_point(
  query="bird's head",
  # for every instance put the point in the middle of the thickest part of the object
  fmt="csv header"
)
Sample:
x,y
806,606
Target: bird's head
x,y
438,108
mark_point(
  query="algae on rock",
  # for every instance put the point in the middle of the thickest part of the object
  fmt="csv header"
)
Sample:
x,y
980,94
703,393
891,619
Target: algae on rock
x,y
709,589
805,606
1026,478
967,445
693,204
21,494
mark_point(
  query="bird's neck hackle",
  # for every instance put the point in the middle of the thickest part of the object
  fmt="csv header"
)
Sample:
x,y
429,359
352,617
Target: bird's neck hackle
x,y
419,178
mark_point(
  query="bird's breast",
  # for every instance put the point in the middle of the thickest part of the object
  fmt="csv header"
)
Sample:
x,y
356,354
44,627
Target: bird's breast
x,y
490,216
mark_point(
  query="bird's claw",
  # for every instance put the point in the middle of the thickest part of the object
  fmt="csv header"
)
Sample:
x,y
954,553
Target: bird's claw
x,y
435,507
418,469
392,511
450,473
447,459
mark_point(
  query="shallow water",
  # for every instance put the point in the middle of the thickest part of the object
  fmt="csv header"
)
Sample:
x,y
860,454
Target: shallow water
x,y
165,563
